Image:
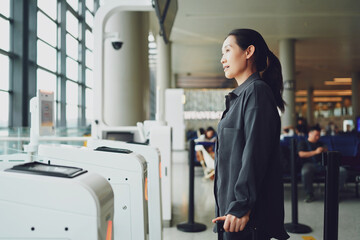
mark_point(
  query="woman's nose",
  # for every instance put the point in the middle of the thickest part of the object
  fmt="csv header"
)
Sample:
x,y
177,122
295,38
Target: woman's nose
x,y
222,60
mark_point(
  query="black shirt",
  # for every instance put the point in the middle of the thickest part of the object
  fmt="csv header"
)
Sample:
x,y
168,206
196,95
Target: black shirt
x,y
248,173
306,146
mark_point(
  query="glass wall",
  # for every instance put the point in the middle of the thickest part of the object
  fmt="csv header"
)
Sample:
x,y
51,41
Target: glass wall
x,y
66,68
5,61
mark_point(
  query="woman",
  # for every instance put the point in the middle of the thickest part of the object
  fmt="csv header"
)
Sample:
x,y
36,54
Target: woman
x,y
248,179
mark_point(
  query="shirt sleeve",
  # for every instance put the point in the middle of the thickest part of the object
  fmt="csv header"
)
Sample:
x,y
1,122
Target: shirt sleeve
x,y
261,131
302,146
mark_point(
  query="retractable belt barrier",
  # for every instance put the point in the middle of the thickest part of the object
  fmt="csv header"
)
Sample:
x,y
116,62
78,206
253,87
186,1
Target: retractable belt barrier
x,y
294,226
331,160
191,225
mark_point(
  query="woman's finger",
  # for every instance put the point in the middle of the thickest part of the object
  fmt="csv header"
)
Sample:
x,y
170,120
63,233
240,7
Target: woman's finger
x,y
227,224
243,223
222,218
232,223
238,225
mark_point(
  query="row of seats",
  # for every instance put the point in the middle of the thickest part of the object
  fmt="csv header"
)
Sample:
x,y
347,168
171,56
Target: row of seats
x,y
347,144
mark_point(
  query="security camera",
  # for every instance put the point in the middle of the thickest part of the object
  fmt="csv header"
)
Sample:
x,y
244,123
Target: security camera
x,y
117,44
115,39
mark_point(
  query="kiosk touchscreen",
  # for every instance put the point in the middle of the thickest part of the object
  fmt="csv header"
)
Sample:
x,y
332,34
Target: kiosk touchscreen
x,y
40,201
124,170
152,157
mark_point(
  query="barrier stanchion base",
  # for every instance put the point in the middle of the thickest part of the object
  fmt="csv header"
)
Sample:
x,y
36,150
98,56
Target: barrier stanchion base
x,y
191,227
297,228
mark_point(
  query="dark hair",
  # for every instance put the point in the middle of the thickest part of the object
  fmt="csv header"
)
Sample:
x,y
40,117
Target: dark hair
x,y
265,61
315,128
201,130
210,129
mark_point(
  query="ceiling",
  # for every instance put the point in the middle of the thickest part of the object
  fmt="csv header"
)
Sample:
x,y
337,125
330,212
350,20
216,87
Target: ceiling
x,y
327,35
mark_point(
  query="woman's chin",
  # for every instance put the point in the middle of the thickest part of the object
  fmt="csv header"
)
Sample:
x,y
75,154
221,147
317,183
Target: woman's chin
x,y
228,75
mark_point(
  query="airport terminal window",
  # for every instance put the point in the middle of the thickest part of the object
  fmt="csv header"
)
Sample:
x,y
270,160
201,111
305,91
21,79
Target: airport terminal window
x,y
73,108
4,90
5,24
72,98
74,4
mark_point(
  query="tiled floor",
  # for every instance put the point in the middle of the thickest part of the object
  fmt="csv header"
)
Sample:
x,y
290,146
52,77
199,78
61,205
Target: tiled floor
x,y
311,214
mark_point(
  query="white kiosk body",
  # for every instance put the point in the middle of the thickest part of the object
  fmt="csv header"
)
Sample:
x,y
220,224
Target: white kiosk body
x,y
125,172
152,157
48,207
160,137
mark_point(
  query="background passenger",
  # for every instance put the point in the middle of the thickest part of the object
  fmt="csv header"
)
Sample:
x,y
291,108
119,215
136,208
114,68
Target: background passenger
x,y
310,153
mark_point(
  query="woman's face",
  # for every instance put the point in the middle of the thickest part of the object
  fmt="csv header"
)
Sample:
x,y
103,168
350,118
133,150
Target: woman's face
x,y
233,58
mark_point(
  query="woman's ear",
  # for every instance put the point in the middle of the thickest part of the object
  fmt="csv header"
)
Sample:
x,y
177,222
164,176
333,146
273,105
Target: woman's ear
x,y
250,51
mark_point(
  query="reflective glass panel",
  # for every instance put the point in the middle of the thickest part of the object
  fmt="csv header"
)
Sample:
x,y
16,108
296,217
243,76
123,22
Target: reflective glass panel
x,y
89,78
72,93
89,40
46,29
5,34
72,47
48,6
72,113
89,19
90,5
4,72
89,59
72,24
72,69
46,81
4,108
5,8
46,56
74,4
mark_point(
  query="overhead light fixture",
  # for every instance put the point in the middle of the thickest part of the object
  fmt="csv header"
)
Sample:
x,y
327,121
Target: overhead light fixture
x,y
331,83
339,81
320,99
343,80
317,93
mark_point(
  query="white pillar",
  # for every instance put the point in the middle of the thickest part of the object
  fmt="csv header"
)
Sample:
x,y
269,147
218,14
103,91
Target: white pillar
x,y
310,109
287,60
163,75
126,71
355,87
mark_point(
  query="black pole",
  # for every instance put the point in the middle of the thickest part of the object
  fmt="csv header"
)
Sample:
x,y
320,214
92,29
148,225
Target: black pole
x,y
191,225
331,207
294,226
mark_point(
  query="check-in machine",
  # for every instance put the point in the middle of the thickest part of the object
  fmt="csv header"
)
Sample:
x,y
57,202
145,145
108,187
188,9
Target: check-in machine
x,y
125,171
152,157
41,201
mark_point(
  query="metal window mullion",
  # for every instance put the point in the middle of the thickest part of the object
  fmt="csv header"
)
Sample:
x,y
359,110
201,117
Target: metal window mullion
x,y
70,9
9,54
32,50
47,15
3,17
62,62
82,100
19,85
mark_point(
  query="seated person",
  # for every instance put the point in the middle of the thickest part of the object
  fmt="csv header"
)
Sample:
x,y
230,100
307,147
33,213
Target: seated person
x,y
200,135
310,152
210,134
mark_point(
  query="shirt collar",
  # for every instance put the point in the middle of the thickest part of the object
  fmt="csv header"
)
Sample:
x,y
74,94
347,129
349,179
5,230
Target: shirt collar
x,y
237,91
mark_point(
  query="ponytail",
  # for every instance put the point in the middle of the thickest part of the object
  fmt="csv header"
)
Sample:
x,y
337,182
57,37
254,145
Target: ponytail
x,y
273,77
265,61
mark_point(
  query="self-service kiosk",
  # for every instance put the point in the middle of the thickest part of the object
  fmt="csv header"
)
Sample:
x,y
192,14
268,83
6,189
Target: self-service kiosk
x,y
41,201
125,171
152,157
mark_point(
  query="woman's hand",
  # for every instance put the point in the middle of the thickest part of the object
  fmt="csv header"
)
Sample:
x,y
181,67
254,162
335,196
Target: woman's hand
x,y
232,223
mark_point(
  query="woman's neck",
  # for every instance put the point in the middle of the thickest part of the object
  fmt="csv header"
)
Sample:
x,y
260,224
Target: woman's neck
x,y
245,75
